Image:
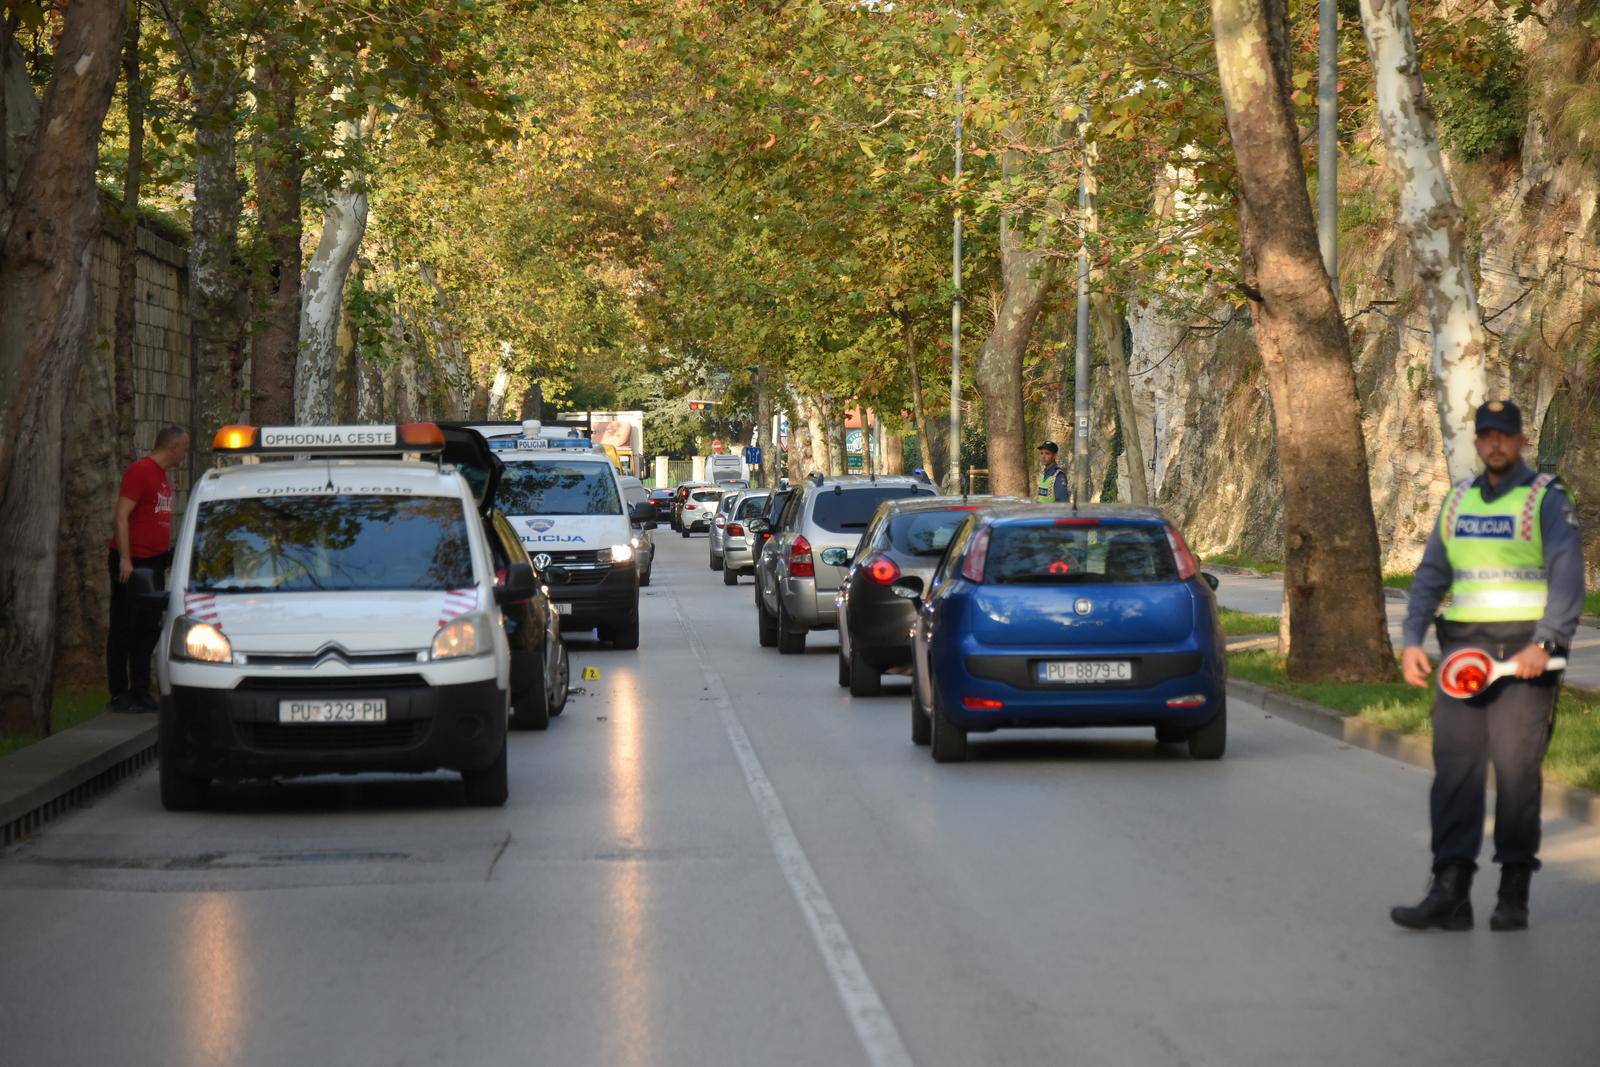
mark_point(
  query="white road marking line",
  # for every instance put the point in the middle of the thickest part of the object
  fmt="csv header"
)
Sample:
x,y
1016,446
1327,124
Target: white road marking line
x,y
875,1029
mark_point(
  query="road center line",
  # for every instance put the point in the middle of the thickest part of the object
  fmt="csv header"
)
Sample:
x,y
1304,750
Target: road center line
x,y
866,1010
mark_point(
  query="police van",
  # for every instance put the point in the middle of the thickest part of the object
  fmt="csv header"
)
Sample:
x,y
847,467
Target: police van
x,y
565,501
333,608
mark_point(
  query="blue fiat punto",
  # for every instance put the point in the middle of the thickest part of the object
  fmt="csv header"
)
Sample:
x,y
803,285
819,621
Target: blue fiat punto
x,y
1043,616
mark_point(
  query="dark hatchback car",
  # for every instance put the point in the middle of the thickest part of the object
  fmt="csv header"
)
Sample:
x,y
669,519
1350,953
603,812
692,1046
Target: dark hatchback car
x,y
1039,616
907,538
661,500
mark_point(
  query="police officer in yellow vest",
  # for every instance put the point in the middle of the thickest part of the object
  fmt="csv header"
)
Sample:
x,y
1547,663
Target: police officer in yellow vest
x,y
1507,550
1052,479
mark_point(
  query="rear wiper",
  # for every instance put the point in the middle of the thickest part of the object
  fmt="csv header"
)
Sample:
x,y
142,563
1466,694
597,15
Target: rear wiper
x,y
852,526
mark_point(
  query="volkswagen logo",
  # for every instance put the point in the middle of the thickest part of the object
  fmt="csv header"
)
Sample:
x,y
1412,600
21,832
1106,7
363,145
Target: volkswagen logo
x,y
1083,605
542,561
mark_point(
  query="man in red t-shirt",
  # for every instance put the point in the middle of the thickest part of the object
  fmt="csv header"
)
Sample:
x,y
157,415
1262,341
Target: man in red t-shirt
x,y
142,538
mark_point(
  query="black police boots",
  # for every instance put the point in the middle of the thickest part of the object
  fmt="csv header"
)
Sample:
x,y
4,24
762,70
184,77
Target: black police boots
x,y
1511,910
1448,905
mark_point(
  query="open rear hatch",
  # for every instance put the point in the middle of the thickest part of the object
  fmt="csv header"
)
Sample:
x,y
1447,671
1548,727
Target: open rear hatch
x,y
467,450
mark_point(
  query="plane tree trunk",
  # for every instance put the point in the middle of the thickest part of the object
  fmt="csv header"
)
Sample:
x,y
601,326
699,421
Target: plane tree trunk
x,y
1434,227
48,230
279,173
1025,273
1331,573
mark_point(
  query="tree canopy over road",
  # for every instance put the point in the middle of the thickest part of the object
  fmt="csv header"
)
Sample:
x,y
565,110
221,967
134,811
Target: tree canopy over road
x,y
408,208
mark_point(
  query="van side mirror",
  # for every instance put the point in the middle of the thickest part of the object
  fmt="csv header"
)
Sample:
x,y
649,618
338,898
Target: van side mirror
x,y
908,588
142,583
758,526
1211,580
518,586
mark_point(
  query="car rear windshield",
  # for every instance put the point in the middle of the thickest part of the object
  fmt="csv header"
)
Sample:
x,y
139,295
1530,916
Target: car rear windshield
x,y
330,543
751,507
1101,553
553,488
925,533
710,494
851,509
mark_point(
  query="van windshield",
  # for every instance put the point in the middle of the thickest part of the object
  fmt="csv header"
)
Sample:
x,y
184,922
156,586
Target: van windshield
x,y
335,543
556,488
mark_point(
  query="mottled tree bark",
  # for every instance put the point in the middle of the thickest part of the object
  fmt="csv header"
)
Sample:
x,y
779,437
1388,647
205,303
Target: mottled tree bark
x,y
1111,329
279,173
767,475
459,387
919,406
47,234
128,255
1331,572
820,459
1435,229
217,296
344,223
1025,276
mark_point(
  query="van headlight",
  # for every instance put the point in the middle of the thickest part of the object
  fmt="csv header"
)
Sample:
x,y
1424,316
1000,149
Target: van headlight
x,y
466,636
201,641
621,553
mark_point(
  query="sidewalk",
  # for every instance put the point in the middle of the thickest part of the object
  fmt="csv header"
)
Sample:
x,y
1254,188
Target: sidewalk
x,y
47,777
1264,595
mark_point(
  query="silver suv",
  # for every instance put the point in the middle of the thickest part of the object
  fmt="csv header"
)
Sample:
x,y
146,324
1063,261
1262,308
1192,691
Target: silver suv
x,y
795,584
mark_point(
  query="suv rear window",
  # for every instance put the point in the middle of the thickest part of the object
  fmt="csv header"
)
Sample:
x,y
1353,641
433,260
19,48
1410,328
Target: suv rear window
x,y
708,494
330,543
925,533
751,507
851,509
1096,554
556,488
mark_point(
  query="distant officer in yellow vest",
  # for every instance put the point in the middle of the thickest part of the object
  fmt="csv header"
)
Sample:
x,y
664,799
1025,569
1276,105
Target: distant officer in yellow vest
x,y
1507,550
1052,479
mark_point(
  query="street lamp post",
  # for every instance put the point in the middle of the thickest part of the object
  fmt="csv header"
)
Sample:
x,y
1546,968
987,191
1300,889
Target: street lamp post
x,y
952,476
1080,403
1328,138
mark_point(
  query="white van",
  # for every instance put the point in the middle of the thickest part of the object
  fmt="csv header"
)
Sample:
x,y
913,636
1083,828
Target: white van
x,y
568,509
722,468
333,610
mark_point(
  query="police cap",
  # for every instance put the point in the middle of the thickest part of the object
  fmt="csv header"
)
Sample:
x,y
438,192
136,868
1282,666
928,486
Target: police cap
x,y
1501,415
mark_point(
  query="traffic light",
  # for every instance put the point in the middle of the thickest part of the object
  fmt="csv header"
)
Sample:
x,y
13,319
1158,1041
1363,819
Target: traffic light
x,y
702,405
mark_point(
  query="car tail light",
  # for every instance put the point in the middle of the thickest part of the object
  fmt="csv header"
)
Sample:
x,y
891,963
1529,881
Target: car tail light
x,y
735,530
965,507
972,568
1187,567
1190,700
981,704
882,570
500,576
1077,522
721,521
800,565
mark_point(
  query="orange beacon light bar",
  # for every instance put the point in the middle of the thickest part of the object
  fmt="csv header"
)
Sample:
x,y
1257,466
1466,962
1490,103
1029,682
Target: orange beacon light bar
x,y
329,440
234,438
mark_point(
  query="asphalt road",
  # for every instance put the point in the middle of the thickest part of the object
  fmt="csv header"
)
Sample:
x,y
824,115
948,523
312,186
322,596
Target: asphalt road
x,y
717,857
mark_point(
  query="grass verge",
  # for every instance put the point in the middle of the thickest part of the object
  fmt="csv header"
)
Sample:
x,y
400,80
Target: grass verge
x,y
1245,623
73,704
1574,749
1228,559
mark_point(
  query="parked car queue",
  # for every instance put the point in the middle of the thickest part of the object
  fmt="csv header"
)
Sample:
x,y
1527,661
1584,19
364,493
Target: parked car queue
x,y
1006,614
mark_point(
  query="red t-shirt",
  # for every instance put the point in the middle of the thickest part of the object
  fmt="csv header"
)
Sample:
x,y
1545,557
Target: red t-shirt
x,y
150,525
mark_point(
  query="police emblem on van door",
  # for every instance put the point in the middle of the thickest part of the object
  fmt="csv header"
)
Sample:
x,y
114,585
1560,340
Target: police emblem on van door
x,y
540,525
542,561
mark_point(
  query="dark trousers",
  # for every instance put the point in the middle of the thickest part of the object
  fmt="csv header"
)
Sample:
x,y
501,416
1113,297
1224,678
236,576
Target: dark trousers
x,y
1510,726
134,628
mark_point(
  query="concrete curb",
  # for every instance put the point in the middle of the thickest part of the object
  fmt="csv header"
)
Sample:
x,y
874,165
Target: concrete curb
x,y
51,776
1560,800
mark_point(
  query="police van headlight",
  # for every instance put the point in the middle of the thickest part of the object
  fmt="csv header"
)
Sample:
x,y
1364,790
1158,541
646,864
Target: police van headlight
x,y
621,553
466,636
201,641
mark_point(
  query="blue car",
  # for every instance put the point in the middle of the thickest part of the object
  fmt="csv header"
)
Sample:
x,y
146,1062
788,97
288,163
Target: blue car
x,y
1041,616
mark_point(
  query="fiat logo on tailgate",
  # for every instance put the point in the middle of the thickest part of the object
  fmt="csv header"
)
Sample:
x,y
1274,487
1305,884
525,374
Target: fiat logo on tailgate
x,y
1083,605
